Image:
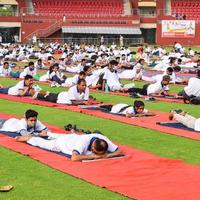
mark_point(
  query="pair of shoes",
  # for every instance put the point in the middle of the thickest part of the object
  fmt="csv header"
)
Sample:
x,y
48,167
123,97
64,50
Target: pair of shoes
x,y
150,99
134,95
70,127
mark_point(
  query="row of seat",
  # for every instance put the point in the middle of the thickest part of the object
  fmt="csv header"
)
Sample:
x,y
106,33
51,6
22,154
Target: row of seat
x,y
60,3
74,7
176,4
189,9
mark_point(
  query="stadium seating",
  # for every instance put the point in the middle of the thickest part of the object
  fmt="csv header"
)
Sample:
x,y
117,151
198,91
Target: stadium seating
x,y
74,8
191,9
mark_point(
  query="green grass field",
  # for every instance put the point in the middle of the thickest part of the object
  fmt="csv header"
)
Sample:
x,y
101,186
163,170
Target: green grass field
x,y
33,180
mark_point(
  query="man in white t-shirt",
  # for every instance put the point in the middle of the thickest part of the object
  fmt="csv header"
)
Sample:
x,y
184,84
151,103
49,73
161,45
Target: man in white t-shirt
x,y
111,79
79,147
29,125
192,89
22,88
153,89
29,70
76,95
135,110
5,70
185,119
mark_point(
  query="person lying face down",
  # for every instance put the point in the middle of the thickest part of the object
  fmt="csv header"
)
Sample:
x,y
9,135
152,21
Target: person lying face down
x,y
79,147
135,110
153,89
29,125
22,88
76,95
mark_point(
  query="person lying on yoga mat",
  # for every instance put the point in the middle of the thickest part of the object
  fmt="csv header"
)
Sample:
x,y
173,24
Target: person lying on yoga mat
x,y
185,119
29,125
160,87
22,88
135,110
192,90
79,147
76,95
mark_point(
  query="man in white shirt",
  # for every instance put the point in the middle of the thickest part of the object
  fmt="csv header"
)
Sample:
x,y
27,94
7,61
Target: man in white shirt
x,y
29,125
135,110
153,89
79,147
29,70
185,119
111,79
5,70
76,95
192,89
22,88
177,47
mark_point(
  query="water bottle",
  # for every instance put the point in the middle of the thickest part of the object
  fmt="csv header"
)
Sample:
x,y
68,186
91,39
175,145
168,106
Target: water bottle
x,y
106,88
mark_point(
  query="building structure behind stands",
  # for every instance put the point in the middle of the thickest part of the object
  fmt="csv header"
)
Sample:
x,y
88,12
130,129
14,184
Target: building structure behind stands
x,y
86,21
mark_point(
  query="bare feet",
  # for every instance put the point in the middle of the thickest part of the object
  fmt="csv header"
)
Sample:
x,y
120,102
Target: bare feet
x,y
22,138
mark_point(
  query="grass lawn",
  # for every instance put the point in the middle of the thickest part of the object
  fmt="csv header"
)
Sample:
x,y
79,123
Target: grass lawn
x,y
33,180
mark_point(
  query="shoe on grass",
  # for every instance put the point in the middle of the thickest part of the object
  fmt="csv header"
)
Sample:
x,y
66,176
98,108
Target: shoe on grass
x,y
6,188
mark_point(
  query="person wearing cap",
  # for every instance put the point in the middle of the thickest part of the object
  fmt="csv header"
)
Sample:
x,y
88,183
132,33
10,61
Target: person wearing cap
x,y
153,89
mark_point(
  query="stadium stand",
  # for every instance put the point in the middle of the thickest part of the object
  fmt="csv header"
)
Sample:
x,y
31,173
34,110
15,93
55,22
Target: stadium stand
x,y
186,9
79,7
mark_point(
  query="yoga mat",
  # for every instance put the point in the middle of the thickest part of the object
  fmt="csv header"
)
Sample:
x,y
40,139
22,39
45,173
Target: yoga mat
x,y
148,122
122,94
138,175
177,125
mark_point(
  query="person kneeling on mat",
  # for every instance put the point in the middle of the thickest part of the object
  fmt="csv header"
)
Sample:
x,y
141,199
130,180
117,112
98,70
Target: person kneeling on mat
x,y
185,119
76,95
135,110
29,125
79,147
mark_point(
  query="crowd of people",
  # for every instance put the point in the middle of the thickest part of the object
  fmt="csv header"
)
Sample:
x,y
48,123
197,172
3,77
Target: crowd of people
x,y
85,67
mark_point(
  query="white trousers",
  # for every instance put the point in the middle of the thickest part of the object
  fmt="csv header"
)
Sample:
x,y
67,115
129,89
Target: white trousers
x,y
50,144
186,120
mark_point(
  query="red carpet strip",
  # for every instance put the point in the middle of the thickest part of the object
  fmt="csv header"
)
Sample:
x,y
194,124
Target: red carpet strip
x,y
139,175
148,122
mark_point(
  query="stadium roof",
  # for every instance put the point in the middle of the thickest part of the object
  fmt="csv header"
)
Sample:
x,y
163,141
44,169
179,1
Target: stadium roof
x,y
102,30
8,2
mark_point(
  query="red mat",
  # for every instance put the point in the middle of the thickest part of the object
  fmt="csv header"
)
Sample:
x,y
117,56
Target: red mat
x,y
148,122
120,93
139,175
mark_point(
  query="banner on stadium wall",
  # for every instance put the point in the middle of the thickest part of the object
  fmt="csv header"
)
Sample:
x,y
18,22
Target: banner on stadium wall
x,y
178,28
